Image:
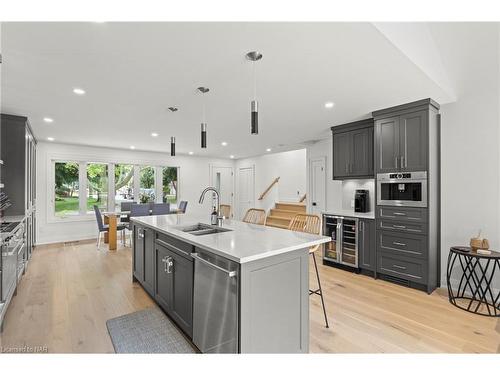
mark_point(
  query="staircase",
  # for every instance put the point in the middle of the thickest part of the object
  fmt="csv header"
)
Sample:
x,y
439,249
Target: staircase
x,y
283,212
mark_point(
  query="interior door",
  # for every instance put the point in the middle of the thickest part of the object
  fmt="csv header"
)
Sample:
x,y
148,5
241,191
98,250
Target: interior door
x,y
246,190
222,180
318,186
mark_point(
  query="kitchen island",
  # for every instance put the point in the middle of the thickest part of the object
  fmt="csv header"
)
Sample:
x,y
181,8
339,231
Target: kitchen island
x,y
234,288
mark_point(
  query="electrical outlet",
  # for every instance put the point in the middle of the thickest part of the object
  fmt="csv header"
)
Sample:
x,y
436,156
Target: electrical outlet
x,y
352,203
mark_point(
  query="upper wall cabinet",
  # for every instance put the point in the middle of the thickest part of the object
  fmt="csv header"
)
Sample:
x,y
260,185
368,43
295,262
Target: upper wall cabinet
x,y
353,150
401,137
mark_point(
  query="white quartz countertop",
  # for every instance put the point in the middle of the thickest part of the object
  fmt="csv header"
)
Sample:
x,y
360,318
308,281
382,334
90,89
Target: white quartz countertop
x,y
244,243
347,213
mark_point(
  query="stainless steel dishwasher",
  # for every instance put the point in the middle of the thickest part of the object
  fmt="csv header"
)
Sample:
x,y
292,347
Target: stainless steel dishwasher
x,y
215,303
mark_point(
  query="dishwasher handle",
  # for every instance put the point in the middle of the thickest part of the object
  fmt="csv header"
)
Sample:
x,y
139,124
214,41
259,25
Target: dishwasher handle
x,y
229,273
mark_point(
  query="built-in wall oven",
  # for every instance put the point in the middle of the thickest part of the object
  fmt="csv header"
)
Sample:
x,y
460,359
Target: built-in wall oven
x,y
402,189
343,248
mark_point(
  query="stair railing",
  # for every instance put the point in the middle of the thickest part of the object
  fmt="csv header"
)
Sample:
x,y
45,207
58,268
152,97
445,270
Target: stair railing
x,y
275,181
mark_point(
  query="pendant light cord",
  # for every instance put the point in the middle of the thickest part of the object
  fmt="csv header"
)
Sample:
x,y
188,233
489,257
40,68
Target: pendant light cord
x,y
254,80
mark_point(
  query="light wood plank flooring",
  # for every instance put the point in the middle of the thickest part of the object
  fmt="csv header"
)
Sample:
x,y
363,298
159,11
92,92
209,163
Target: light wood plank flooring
x,y
70,291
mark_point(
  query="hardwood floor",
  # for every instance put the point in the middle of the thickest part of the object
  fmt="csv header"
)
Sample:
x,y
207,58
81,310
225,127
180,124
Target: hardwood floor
x,y
70,290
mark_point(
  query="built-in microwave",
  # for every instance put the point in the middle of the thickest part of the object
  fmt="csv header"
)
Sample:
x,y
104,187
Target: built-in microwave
x,y
402,189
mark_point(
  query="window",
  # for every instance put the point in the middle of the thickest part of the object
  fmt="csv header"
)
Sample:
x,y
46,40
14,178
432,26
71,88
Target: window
x,y
169,177
97,186
124,184
66,197
147,184
79,185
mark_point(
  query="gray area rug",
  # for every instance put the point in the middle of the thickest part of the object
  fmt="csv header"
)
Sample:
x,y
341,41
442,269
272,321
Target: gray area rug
x,y
147,331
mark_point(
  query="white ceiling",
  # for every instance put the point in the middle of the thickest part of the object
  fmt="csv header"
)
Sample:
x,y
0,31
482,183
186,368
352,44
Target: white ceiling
x,y
132,72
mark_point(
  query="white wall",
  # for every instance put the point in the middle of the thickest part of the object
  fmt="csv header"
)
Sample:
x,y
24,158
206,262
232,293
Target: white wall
x,y
290,166
194,176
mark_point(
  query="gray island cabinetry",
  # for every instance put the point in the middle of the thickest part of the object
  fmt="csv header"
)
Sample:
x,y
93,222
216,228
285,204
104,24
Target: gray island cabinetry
x,y
237,288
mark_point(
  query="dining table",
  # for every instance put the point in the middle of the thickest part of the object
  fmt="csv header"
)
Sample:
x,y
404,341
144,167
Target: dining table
x,y
111,219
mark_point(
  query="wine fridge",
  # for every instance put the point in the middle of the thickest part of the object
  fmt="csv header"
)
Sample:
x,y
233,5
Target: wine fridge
x,y
343,248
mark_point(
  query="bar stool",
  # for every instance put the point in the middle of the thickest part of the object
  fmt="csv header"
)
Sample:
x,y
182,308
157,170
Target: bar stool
x,y
255,216
310,224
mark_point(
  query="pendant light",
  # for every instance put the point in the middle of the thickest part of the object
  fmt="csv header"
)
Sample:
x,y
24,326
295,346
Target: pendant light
x,y
172,139
172,146
254,56
203,90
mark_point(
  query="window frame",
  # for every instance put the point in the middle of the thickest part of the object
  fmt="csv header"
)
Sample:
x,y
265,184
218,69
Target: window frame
x,y
83,215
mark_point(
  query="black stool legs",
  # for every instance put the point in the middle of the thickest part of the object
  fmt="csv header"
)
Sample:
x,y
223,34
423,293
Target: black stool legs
x,y
319,291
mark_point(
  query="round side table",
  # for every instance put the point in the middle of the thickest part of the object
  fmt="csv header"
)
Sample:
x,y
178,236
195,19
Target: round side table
x,y
470,283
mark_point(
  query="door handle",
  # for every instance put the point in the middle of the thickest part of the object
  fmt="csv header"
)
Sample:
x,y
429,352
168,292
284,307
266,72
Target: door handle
x,y
402,162
396,162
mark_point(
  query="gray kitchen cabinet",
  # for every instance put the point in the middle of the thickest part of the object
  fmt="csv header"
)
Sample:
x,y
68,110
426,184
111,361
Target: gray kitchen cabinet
x,y
353,150
413,141
387,144
138,254
362,152
182,293
401,142
174,286
367,245
149,260
408,238
341,154
163,280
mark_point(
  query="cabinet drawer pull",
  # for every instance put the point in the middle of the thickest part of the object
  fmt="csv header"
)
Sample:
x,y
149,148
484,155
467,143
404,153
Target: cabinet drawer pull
x,y
399,243
168,263
399,214
400,267
399,226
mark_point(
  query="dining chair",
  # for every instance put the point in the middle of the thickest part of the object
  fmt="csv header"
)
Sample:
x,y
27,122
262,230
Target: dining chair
x,y
102,228
161,209
225,210
255,216
182,207
310,224
125,206
136,210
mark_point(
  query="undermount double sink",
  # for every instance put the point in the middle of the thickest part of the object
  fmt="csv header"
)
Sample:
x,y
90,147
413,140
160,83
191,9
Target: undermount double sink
x,y
202,229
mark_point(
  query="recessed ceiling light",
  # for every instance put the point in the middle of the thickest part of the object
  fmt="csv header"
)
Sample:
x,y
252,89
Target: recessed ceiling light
x,y
231,156
154,134
329,105
224,143
132,147
268,149
190,152
48,120
50,139
79,91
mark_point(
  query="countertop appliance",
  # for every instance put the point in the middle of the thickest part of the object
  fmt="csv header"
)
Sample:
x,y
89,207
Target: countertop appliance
x,y
215,303
407,189
361,201
343,248
12,242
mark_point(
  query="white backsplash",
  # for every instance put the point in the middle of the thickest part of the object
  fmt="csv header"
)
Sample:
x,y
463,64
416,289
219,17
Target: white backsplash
x,y
349,187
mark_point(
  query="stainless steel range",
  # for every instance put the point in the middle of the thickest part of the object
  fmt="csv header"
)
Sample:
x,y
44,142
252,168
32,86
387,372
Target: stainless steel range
x,y
12,244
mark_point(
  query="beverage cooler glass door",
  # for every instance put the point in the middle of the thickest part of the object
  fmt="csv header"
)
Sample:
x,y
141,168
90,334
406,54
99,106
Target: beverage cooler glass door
x,y
349,252
331,228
